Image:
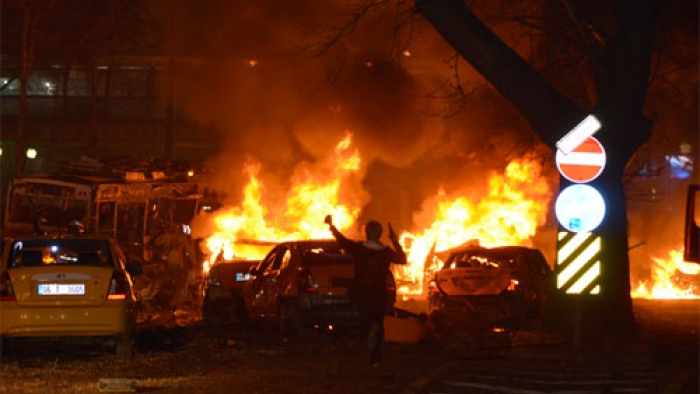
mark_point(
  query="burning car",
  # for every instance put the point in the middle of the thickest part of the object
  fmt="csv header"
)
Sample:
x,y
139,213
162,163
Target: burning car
x,y
302,285
223,291
225,278
500,285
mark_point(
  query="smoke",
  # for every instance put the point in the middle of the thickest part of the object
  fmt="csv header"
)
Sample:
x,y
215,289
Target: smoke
x,y
258,83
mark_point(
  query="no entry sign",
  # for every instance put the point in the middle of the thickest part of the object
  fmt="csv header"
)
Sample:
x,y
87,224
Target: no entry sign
x,y
584,163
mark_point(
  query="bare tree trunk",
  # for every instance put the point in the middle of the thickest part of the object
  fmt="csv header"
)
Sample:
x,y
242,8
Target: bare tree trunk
x,y
621,106
548,112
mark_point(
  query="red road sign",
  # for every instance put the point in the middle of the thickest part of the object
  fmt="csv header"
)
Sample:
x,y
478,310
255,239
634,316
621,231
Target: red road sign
x,y
584,163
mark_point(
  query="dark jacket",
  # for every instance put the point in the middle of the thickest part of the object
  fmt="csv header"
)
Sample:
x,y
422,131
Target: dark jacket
x,y
372,261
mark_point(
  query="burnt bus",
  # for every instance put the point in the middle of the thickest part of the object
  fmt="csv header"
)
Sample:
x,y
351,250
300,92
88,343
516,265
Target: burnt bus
x,y
132,206
132,210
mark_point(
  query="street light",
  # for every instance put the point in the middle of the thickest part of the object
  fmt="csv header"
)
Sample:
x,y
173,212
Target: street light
x,y
31,153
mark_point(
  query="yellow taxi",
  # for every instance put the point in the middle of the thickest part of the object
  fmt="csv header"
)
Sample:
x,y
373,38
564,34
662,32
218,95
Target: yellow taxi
x,y
68,286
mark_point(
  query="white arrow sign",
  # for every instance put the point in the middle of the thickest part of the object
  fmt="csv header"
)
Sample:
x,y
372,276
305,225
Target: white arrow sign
x,y
578,134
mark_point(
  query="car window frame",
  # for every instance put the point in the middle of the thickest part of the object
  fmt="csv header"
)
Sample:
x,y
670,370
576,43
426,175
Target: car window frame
x,y
15,247
282,253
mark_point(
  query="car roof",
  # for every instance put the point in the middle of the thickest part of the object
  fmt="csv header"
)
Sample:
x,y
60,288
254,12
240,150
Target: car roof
x,y
497,252
310,242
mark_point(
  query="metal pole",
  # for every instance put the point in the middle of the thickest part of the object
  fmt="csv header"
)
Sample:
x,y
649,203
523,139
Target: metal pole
x,y
576,342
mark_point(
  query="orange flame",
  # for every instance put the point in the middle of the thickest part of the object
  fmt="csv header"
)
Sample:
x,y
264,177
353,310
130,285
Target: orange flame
x,y
668,279
314,194
515,206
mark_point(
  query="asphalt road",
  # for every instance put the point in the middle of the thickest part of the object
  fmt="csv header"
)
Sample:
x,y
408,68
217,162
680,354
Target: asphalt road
x,y
664,362
184,356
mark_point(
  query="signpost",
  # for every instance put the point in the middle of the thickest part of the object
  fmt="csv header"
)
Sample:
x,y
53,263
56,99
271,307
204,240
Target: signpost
x,y
580,209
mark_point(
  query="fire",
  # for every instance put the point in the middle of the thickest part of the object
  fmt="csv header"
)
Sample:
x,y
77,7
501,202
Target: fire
x,y
508,213
516,204
513,207
315,192
668,279
310,200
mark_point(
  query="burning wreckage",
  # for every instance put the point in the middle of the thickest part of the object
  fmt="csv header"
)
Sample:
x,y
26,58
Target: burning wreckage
x,y
506,286
446,221
145,205
304,284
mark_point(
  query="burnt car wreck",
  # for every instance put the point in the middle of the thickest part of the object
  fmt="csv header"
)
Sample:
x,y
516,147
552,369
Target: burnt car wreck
x,y
505,287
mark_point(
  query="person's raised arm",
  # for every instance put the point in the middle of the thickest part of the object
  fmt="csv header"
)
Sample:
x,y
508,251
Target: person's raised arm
x,y
399,256
344,242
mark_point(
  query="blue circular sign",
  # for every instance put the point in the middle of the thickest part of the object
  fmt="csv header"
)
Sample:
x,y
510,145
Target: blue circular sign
x,y
580,208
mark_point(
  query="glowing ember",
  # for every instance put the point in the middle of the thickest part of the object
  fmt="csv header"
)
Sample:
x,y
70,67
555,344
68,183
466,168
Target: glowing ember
x,y
672,278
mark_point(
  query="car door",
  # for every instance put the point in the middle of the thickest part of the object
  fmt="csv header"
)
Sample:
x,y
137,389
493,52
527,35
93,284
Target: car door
x,y
261,297
276,280
282,276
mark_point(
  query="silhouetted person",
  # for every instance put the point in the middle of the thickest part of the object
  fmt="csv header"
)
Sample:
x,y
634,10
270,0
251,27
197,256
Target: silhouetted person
x,y
372,260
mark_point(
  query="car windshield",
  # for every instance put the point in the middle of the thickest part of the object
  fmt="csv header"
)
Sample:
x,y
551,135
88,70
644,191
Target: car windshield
x,y
469,260
64,252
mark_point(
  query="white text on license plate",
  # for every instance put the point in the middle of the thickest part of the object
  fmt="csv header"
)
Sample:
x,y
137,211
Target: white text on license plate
x,y
61,289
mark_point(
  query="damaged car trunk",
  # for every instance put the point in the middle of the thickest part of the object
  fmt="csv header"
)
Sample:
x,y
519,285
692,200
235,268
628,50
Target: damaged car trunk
x,y
478,287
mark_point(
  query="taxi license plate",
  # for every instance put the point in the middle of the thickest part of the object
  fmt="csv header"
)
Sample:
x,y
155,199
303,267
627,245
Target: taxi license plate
x,y
50,289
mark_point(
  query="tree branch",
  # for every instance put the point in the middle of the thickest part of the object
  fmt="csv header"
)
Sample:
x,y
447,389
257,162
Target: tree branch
x,y
550,113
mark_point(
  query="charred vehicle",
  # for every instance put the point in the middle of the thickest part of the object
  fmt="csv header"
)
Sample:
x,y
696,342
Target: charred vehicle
x,y
223,291
224,283
507,285
132,201
303,285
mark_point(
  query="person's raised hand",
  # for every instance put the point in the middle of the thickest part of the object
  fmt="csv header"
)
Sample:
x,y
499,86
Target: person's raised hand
x,y
392,234
328,220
